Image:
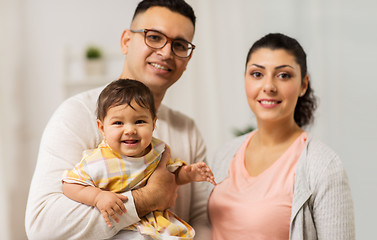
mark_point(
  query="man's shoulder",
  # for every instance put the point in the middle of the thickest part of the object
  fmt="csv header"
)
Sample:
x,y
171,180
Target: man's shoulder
x,y
79,104
174,118
165,112
88,97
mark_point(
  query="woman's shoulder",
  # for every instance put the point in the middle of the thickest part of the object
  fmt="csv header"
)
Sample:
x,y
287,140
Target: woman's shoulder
x,y
232,146
321,161
318,150
220,160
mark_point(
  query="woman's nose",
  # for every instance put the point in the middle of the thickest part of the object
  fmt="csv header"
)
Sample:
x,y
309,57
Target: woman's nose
x,y
269,86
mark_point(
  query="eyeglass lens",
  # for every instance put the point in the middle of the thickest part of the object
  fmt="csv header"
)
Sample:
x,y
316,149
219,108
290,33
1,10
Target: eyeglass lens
x,y
157,40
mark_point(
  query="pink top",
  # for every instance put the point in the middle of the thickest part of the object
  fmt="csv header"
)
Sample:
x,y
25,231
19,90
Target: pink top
x,y
245,207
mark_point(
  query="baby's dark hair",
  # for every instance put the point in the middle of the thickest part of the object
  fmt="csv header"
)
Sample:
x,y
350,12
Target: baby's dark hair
x,y
306,104
124,91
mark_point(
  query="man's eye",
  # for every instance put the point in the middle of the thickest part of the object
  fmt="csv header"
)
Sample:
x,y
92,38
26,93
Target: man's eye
x,y
180,46
154,38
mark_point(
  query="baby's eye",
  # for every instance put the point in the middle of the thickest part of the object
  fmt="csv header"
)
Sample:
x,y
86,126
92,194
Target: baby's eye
x,y
140,121
118,123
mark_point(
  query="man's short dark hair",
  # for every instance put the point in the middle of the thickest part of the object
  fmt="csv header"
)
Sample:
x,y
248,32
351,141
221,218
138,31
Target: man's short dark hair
x,y
179,6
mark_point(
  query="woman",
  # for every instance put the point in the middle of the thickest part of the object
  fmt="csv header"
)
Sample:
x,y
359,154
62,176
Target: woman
x,y
282,183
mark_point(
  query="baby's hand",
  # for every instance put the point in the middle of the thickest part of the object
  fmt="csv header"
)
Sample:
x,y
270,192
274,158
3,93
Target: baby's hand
x,y
200,172
110,204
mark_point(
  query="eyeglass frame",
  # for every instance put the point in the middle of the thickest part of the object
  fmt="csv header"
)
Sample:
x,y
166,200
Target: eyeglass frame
x,y
168,39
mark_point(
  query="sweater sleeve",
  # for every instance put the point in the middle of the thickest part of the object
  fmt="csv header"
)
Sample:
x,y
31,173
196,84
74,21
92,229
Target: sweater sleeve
x,y
333,212
50,214
198,211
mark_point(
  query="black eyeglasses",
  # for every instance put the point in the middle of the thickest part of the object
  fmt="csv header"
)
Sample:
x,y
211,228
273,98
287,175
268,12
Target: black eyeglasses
x,y
157,40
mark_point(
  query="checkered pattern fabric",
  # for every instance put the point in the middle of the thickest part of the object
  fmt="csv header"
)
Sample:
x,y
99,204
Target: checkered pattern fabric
x,y
108,170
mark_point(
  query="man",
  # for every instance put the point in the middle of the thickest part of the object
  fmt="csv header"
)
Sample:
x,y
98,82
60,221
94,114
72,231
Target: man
x,y
157,48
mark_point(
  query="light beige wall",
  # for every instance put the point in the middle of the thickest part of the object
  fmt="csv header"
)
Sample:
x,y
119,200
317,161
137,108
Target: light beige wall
x,y
338,36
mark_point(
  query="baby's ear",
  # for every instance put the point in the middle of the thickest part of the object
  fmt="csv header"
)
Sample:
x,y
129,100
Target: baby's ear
x,y
154,122
101,128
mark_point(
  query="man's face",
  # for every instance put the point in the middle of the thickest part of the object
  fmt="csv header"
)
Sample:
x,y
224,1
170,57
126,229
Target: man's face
x,y
156,68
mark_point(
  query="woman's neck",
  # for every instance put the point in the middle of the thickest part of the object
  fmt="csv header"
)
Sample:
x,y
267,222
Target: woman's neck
x,y
272,134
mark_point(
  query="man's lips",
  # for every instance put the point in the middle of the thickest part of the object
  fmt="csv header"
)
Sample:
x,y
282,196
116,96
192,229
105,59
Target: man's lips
x,y
160,67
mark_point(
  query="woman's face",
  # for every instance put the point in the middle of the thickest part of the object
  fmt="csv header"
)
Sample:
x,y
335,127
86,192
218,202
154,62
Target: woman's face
x,y
273,84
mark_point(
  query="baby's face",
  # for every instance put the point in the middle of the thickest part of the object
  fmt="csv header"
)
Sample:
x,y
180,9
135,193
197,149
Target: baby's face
x,y
128,130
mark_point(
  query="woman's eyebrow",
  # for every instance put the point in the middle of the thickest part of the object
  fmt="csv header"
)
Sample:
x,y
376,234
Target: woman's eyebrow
x,y
278,67
283,66
258,66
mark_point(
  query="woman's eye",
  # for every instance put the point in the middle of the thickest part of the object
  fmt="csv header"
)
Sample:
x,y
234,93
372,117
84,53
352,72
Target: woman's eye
x,y
284,75
256,74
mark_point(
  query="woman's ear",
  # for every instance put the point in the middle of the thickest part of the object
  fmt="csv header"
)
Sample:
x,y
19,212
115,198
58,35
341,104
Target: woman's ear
x,y
305,83
125,41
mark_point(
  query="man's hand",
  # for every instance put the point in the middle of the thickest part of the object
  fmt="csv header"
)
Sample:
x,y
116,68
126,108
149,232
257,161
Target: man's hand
x,y
110,204
160,193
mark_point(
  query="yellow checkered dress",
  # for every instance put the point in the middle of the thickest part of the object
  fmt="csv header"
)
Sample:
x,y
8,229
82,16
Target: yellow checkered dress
x,y
108,170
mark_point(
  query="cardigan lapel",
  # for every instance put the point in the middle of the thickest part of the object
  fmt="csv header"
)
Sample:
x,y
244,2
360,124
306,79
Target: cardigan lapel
x,y
301,189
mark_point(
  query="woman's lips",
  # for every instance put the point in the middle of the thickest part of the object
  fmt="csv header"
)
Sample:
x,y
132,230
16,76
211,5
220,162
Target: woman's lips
x,y
269,103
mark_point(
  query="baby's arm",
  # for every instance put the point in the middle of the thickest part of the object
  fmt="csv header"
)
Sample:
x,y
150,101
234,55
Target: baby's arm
x,y
108,203
196,172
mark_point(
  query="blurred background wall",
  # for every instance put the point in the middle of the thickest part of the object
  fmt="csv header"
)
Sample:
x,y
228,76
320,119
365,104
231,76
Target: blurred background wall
x,y
42,45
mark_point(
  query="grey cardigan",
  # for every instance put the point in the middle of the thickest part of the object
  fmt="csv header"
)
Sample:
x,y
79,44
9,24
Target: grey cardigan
x,y
322,206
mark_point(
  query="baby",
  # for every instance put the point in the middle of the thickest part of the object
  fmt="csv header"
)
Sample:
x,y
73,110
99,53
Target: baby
x,y
125,159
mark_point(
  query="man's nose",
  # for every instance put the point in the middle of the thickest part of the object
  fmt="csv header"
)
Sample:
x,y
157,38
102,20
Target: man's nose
x,y
166,51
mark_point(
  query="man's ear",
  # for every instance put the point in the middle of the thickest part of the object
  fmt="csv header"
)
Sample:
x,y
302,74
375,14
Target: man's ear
x,y
125,41
101,128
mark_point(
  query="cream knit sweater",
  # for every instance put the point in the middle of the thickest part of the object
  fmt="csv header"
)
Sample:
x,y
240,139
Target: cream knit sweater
x,y
72,129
